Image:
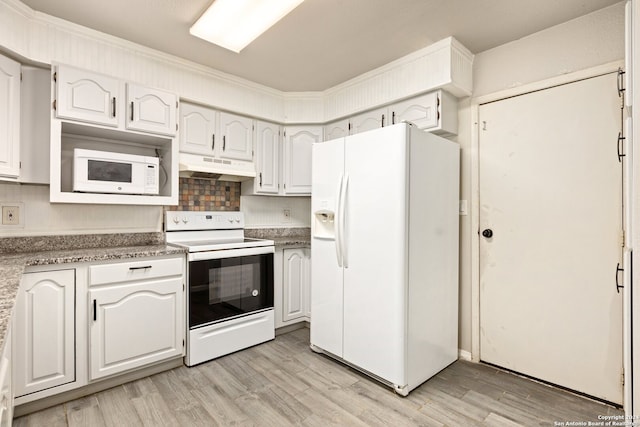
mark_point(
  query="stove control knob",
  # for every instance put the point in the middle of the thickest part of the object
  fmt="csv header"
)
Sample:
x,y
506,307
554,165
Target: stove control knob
x,y
238,220
176,219
185,219
231,220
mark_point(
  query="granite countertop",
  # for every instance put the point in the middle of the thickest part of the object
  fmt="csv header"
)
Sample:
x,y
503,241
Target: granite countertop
x,y
296,236
18,253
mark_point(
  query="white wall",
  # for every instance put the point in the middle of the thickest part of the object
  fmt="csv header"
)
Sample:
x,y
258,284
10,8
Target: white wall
x,y
266,212
588,41
44,218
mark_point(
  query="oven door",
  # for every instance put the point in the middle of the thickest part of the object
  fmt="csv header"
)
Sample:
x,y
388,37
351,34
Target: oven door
x,y
229,283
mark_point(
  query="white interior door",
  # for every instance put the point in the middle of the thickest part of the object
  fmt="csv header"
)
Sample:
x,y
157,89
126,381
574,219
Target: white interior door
x,y
550,192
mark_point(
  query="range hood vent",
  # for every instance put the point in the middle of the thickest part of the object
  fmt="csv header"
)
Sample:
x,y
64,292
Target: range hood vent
x,y
206,167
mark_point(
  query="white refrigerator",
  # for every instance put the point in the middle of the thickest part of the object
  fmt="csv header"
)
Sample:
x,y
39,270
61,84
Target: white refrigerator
x,y
384,253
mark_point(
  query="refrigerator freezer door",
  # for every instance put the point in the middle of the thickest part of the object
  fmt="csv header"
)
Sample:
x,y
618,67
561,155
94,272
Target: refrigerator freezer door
x,y
326,273
375,234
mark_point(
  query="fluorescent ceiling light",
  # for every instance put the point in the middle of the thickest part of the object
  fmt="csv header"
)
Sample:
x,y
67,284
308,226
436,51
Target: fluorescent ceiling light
x,y
233,24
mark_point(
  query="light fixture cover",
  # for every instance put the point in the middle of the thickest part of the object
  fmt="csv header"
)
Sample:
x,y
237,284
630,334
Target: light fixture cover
x,y
233,24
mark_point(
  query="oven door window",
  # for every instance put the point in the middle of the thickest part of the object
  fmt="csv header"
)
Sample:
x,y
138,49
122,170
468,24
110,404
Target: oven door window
x,y
229,287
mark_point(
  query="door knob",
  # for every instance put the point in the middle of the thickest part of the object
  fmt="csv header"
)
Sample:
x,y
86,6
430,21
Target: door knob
x,y
488,233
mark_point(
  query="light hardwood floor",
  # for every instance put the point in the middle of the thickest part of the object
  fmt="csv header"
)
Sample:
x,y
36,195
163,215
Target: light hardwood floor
x,y
283,383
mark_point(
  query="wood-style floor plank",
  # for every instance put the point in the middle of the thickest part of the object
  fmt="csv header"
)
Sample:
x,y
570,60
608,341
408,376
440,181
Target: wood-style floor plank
x,y
284,383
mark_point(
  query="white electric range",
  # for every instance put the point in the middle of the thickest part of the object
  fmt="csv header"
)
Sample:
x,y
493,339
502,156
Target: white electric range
x,y
229,283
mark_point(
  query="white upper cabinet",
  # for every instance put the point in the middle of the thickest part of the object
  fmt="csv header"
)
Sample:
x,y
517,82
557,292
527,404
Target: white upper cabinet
x,y
87,97
9,118
436,112
337,129
267,155
237,137
98,112
297,158
197,129
369,120
151,110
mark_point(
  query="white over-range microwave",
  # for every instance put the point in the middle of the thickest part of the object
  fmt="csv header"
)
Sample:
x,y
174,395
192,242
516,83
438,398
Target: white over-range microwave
x,y
118,173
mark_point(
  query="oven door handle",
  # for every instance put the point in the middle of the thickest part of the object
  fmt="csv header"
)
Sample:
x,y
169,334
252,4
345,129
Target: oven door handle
x,y
230,253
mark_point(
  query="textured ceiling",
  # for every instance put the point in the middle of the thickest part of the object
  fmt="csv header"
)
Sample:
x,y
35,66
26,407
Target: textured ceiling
x,y
322,42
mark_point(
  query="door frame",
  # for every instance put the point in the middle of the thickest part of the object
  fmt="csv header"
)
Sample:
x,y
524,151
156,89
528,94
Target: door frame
x,y
475,207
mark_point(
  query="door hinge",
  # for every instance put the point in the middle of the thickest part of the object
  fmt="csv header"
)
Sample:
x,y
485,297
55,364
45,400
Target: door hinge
x,y
176,104
182,343
55,105
20,75
622,378
55,76
183,287
176,127
622,238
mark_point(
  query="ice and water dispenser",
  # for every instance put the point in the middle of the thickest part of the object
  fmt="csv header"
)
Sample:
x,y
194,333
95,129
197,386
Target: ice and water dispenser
x,y
324,227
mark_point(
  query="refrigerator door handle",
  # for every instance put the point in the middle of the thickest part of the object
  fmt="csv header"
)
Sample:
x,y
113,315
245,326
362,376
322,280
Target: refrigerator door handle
x,y
342,225
337,223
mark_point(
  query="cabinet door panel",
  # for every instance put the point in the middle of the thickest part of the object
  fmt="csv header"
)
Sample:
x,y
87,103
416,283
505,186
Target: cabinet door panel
x,y
151,110
197,129
88,97
421,111
237,137
294,280
370,120
134,325
9,117
45,332
267,147
296,284
297,158
336,130
6,382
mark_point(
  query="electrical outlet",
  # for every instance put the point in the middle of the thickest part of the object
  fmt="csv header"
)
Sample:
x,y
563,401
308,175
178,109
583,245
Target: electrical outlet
x,y
10,215
286,215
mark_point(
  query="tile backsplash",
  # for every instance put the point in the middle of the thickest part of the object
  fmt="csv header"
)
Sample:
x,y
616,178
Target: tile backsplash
x,y
207,195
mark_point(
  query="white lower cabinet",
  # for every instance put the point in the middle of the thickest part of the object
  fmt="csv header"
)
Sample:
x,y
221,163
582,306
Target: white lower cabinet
x,y
44,327
76,327
6,382
137,315
292,298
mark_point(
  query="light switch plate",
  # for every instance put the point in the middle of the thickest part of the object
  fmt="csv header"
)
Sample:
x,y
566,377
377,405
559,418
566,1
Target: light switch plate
x,y
463,208
12,215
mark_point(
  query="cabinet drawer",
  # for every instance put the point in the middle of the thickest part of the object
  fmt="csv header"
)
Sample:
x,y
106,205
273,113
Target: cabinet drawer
x,y
135,270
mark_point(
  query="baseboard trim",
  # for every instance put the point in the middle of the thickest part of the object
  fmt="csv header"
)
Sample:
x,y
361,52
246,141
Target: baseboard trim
x,y
464,355
46,402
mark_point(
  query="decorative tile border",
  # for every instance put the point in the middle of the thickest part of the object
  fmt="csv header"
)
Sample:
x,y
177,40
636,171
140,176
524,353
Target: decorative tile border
x,y
207,195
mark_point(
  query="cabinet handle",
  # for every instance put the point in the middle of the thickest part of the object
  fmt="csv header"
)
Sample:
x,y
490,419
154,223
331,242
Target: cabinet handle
x,y
382,121
95,311
144,267
224,142
621,139
213,142
260,179
393,118
113,106
131,110
618,270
